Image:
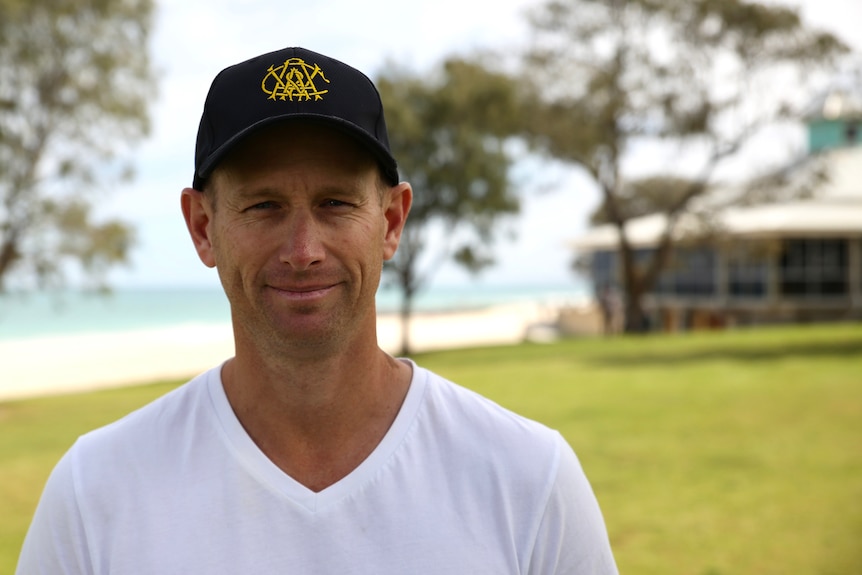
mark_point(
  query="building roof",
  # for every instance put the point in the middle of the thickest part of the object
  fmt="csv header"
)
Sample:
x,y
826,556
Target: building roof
x,y
797,219
836,210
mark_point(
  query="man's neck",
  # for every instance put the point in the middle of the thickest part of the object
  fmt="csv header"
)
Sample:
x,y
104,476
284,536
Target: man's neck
x,y
317,420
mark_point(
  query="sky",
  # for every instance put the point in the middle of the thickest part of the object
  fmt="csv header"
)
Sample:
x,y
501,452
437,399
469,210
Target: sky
x,y
194,39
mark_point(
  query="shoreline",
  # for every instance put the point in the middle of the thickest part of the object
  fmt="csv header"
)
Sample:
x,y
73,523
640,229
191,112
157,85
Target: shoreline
x,y
45,365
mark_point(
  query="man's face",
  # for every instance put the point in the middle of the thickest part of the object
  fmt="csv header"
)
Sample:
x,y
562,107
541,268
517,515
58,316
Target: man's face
x,y
298,224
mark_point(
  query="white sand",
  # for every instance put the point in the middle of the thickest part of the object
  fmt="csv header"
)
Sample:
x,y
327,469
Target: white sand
x,y
37,366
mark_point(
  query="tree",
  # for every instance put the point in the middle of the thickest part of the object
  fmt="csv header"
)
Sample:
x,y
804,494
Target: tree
x,y
75,82
701,77
449,132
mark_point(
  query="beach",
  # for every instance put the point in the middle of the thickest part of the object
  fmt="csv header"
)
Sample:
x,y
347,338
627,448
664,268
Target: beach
x,y
76,362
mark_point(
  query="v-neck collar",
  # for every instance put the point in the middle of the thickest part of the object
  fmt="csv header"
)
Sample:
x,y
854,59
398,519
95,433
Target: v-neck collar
x,y
250,456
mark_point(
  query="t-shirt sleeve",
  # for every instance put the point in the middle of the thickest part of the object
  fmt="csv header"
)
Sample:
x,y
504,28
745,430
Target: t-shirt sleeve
x,y
56,542
572,537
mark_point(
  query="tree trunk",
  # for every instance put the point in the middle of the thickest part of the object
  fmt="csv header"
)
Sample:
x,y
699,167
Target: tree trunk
x,y
8,256
634,287
635,316
406,313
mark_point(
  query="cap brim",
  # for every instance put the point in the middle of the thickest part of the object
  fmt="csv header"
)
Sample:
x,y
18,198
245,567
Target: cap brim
x,y
387,162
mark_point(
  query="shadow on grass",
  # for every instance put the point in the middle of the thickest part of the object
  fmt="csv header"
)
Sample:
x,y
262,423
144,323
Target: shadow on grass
x,y
738,353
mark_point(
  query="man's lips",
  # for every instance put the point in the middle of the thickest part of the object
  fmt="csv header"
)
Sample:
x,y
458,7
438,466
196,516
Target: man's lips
x,y
303,292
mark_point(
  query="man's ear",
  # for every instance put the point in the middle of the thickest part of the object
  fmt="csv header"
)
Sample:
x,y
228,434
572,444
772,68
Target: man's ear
x,y
398,200
197,212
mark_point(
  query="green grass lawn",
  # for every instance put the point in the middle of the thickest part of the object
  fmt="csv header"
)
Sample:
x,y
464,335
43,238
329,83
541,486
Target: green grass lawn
x,y
724,453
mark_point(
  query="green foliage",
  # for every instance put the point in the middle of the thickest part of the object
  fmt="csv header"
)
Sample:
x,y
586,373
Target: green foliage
x,y
449,131
700,75
645,196
75,84
733,452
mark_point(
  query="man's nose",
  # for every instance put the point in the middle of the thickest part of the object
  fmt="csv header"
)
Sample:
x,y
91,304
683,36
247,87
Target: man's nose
x,y
302,245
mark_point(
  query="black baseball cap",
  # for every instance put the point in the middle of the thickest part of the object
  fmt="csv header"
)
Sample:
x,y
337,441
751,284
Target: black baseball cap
x,y
290,84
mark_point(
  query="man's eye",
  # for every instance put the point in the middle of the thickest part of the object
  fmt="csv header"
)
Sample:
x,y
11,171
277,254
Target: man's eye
x,y
263,206
335,203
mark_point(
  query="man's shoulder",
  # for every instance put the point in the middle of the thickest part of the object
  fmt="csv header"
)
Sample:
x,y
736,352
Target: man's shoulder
x,y
151,426
473,419
478,407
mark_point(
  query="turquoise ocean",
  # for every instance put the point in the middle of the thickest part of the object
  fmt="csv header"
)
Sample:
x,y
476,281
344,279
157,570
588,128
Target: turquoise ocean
x,y
69,313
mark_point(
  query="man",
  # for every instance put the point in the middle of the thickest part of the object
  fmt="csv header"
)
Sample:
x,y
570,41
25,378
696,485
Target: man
x,y
311,450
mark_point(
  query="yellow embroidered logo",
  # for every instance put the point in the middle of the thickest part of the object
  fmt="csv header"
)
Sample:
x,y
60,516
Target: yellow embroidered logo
x,y
294,80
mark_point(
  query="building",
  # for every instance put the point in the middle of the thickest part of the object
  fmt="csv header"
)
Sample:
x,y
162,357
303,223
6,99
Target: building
x,y
797,261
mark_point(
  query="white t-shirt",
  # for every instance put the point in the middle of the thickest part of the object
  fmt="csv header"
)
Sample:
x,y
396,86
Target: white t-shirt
x,y
457,485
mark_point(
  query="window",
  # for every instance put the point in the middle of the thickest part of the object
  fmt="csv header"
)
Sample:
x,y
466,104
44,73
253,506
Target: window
x,y
747,272
691,272
604,269
814,268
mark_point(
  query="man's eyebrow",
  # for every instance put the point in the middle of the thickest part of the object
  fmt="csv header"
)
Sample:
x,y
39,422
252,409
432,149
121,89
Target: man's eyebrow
x,y
352,190
255,190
